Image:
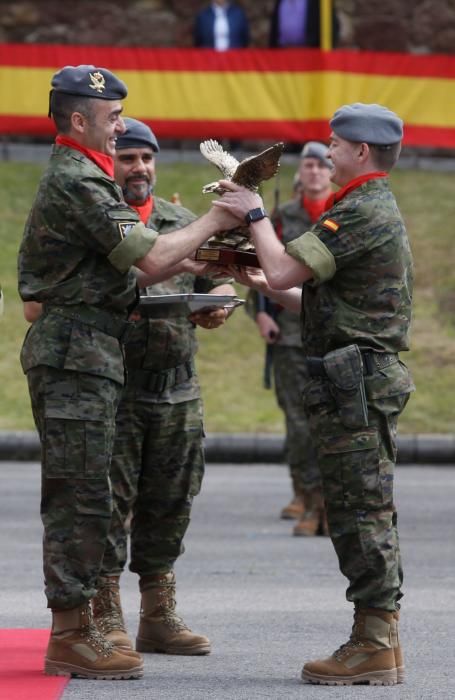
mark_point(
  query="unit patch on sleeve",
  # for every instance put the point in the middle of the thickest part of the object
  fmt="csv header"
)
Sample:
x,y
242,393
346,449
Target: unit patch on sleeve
x,y
125,227
331,225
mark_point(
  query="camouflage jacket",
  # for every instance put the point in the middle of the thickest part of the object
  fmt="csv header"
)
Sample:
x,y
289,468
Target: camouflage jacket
x,y
290,220
159,344
362,288
79,243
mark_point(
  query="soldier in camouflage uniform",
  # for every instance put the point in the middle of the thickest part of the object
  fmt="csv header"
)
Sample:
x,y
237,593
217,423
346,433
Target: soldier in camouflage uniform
x,y
158,460
356,268
280,328
75,260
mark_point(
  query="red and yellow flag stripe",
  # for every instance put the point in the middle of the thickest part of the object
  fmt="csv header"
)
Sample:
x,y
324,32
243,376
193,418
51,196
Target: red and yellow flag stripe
x,y
251,93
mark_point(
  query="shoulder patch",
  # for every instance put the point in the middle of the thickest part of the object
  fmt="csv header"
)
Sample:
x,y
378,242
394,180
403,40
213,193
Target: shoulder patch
x,y
331,225
125,227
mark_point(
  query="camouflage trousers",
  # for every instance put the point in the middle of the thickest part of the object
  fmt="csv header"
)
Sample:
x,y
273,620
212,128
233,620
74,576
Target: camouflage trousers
x,y
357,467
157,469
75,417
291,377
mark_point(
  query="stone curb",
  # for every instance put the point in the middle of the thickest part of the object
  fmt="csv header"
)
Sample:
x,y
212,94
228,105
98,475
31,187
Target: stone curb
x,y
246,448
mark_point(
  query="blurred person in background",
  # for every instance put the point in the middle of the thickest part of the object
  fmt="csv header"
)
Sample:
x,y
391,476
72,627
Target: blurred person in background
x,y
297,23
280,329
222,25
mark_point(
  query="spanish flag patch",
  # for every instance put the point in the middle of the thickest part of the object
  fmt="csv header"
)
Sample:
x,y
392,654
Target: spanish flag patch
x,y
331,225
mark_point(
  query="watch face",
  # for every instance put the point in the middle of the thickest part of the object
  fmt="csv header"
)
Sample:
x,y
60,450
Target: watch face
x,y
255,214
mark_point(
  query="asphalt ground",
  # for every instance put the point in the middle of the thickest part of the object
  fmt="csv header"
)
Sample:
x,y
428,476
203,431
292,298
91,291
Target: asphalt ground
x,y
267,600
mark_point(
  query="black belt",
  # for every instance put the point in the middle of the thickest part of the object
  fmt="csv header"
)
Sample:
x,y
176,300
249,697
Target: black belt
x,y
371,362
157,382
97,318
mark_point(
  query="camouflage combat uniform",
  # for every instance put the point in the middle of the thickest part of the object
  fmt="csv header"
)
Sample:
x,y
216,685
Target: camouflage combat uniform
x,y
361,295
75,260
158,460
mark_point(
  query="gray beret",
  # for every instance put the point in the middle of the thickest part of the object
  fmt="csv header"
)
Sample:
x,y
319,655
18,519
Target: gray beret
x,y
371,124
137,135
315,149
89,81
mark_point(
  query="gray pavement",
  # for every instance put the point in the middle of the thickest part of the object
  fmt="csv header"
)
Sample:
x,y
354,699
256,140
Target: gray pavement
x,y
267,600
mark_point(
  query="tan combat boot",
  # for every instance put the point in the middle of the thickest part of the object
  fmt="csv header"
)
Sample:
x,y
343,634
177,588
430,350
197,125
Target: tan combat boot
x,y
294,509
77,648
367,658
107,612
160,628
313,521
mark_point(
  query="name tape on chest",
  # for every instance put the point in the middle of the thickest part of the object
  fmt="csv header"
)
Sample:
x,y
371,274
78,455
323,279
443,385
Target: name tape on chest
x,y
331,225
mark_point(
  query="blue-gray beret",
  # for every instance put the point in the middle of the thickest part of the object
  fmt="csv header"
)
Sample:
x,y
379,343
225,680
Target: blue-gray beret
x,y
89,81
137,135
315,149
371,124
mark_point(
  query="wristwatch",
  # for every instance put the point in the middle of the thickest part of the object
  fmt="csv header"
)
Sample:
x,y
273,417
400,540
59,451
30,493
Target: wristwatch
x,y
255,215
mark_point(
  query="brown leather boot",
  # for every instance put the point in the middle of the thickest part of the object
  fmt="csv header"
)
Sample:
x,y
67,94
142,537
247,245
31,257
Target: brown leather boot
x,y
160,628
77,648
313,521
367,658
399,661
108,614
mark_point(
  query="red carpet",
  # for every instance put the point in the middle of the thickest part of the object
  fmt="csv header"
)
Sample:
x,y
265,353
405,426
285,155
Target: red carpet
x,y
21,667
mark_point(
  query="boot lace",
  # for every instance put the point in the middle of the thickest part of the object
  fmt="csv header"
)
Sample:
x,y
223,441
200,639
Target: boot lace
x,y
92,635
354,641
166,606
107,608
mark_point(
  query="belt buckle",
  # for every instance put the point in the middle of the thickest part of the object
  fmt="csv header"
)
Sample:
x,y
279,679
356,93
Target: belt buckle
x,y
159,383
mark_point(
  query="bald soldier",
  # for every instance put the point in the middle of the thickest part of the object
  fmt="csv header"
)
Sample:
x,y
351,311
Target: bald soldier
x,y
75,259
356,269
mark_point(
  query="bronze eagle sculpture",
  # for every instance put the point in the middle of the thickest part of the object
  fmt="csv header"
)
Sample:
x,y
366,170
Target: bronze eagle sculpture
x,y
249,172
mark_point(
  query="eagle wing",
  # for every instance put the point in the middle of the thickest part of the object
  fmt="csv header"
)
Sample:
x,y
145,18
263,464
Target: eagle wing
x,y
252,171
215,153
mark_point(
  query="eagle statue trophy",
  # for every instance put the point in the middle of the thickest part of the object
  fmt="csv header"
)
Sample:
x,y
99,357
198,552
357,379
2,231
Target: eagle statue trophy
x,y
234,246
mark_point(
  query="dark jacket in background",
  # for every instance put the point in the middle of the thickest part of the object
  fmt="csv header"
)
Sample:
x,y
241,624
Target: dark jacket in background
x,y
239,33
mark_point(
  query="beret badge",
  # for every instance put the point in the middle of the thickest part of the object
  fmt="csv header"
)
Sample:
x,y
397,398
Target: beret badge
x,y
98,82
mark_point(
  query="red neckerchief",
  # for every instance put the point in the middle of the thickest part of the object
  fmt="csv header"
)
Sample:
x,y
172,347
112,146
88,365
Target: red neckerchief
x,y
352,185
106,163
144,210
314,207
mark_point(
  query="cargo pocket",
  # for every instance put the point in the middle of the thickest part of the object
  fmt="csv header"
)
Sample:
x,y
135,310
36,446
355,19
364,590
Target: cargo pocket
x,y
78,437
351,469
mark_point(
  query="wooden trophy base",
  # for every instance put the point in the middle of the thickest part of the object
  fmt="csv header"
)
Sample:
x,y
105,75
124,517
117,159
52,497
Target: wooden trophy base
x,y
227,256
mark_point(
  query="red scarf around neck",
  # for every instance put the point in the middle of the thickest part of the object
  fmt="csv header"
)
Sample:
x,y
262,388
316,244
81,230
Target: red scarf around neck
x,y
314,207
352,185
103,161
144,210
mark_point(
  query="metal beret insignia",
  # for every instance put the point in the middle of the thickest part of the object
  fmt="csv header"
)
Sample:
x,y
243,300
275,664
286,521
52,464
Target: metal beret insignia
x,y
98,82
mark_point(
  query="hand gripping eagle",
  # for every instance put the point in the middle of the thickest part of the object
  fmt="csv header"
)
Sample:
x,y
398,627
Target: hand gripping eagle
x,y
249,173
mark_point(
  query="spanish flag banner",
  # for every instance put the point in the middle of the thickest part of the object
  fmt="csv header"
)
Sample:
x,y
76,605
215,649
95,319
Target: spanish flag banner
x,y
285,94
